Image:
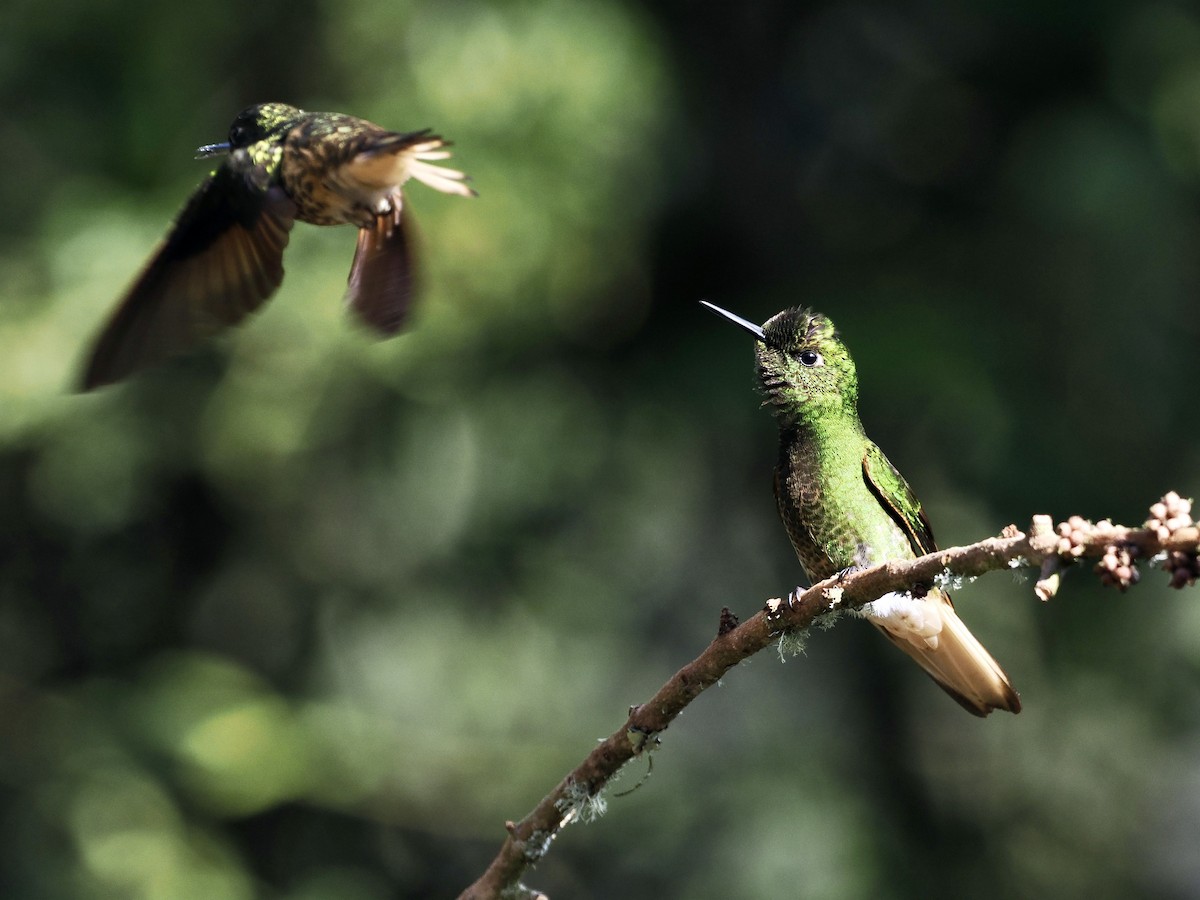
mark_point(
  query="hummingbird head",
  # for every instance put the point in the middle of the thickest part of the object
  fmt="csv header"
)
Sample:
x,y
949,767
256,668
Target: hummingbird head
x,y
260,122
803,366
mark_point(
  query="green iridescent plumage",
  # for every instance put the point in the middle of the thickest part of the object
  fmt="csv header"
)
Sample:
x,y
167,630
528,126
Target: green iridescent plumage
x,y
844,505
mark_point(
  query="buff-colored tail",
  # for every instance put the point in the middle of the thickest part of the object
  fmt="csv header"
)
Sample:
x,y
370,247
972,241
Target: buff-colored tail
x,y
930,631
415,155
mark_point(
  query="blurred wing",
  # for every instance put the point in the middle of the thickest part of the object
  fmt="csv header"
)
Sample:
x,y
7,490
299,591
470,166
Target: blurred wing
x,y
894,494
220,261
382,281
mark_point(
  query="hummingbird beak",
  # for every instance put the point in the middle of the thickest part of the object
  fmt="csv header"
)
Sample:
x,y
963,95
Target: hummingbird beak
x,y
212,150
736,320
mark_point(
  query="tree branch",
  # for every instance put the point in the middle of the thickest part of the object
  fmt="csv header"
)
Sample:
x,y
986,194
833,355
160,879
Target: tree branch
x,y
1169,535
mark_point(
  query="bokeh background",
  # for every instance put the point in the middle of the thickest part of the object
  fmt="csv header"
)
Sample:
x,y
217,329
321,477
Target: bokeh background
x,y
307,616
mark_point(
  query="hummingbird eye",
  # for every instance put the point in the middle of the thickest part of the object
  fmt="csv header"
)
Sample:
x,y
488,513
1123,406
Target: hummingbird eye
x,y
810,358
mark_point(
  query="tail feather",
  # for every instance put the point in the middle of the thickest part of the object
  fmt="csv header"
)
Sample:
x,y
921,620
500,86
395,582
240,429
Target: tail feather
x,y
414,155
440,178
930,631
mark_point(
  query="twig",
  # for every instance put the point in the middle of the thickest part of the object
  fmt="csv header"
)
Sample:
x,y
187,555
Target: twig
x,y
1169,533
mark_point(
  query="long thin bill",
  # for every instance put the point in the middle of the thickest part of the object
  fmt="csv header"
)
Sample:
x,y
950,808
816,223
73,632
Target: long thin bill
x,y
212,150
736,320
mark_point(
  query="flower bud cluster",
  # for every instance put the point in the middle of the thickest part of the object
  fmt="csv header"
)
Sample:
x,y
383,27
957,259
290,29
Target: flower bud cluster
x,y
1184,568
1117,568
1072,536
1169,515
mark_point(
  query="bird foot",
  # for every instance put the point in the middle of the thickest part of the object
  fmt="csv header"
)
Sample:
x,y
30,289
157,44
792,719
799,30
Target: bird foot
x,y
849,570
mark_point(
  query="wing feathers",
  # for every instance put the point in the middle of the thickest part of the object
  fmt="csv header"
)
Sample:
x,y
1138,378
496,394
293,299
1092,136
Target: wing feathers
x,y
929,630
221,260
382,279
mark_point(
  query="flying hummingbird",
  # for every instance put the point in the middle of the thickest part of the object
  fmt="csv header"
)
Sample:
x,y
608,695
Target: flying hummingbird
x,y
223,256
845,506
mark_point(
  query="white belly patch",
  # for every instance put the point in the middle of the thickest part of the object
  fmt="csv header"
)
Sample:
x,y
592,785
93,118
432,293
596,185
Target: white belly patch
x,y
917,621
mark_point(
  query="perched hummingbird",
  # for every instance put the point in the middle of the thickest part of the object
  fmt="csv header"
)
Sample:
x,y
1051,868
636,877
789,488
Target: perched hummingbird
x,y
223,256
845,506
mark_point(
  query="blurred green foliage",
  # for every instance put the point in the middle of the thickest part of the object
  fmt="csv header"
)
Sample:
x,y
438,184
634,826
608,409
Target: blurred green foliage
x,y
309,617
